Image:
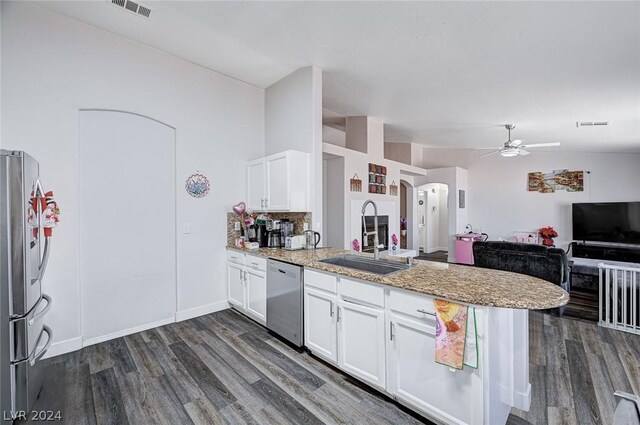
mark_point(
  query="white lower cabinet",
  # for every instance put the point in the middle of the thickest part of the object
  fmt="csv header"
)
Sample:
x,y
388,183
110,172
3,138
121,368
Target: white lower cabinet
x,y
320,323
361,342
235,284
453,397
256,286
247,285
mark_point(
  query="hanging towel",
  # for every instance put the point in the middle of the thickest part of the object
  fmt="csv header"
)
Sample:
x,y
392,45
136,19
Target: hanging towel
x,y
456,343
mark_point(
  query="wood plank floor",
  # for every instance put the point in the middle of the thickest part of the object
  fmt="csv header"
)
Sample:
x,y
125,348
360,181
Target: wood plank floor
x,y
224,368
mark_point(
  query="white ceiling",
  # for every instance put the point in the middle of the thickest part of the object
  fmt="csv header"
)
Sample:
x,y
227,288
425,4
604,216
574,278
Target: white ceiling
x,y
438,73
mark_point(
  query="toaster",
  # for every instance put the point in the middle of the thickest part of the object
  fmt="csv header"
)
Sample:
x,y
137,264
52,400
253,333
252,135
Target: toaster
x,y
294,242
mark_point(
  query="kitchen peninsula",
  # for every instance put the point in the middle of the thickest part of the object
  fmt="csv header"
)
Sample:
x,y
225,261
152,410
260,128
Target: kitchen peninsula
x,y
381,329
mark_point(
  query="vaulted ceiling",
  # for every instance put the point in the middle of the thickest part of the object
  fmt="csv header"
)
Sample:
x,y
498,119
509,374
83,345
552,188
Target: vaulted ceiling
x,y
447,74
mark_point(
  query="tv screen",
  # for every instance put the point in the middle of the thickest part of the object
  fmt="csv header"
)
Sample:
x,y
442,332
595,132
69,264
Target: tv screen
x,y
617,222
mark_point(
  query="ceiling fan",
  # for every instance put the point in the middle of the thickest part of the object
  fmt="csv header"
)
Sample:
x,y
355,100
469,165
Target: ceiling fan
x,y
515,147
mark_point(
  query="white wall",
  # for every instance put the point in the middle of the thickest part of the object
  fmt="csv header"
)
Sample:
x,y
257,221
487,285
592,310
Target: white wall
x,y
333,202
293,120
499,203
52,67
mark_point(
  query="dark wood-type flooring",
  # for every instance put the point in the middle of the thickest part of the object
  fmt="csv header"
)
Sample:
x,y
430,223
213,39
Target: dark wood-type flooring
x,y
439,256
224,368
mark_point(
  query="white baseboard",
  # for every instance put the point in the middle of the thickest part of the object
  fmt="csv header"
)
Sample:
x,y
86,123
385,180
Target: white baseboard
x,y
522,400
63,347
201,310
124,332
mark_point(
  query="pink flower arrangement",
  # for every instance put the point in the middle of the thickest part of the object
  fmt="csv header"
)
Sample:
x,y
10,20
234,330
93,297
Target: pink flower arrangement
x,y
394,239
356,245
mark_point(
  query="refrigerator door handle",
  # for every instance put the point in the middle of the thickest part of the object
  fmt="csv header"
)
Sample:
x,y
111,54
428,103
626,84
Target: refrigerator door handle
x,y
34,357
37,316
45,329
45,257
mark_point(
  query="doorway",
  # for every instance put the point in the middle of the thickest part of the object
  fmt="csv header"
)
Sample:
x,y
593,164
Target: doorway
x,y
433,221
127,223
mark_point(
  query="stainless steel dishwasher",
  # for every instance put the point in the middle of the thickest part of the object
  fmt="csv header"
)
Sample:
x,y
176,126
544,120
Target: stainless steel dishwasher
x,y
284,301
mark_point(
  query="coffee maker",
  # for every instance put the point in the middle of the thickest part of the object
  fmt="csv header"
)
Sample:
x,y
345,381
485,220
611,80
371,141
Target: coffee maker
x,y
262,236
274,239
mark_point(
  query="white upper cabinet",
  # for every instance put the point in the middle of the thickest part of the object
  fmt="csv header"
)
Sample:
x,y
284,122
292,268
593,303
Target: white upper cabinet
x,y
279,182
256,171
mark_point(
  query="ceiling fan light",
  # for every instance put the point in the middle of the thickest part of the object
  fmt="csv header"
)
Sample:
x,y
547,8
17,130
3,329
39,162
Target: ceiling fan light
x,y
509,153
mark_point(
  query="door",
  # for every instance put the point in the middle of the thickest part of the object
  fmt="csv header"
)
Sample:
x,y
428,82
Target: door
x,y
235,285
415,377
361,342
127,223
256,176
256,285
320,324
277,182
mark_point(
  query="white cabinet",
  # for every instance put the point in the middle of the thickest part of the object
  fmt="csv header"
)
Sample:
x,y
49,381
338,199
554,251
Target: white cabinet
x,y
235,284
256,285
320,323
279,182
361,342
247,285
256,172
447,395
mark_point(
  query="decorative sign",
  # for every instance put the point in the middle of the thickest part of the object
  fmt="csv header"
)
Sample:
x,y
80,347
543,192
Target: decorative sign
x,y
197,185
393,189
356,183
571,181
377,179
461,198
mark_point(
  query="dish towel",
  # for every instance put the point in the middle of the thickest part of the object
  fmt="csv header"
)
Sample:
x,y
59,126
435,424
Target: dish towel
x,y
456,335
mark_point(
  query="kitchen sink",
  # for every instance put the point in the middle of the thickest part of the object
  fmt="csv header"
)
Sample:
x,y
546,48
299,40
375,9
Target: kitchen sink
x,y
365,264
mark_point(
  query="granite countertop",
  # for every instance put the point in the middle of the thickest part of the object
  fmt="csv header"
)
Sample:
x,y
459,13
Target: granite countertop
x,y
465,284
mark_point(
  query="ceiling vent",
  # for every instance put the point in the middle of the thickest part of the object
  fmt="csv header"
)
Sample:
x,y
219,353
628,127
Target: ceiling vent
x,y
133,7
592,123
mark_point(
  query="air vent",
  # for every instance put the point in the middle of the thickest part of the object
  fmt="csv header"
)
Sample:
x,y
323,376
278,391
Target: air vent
x,y
133,7
592,123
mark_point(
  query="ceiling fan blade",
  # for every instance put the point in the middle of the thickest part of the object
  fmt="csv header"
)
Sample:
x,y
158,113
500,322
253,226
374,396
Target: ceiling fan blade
x,y
523,152
492,147
516,142
540,145
490,153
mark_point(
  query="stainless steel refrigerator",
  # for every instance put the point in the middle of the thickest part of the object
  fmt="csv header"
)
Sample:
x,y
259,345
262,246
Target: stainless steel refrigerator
x,y
24,252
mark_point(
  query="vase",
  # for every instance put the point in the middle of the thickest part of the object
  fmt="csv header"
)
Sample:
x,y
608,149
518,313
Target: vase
x,y
547,241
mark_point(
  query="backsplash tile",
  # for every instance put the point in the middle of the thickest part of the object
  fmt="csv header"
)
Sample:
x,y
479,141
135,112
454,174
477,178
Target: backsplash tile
x,y
298,219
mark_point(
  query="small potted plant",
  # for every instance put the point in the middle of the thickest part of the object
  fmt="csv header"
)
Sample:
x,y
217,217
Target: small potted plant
x,y
547,234
403,226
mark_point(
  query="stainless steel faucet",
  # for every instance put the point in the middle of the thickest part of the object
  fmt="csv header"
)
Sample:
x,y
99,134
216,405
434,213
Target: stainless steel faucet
x,y
376,242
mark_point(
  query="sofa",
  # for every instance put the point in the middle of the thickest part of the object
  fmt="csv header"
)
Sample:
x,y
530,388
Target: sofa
x,y
539,261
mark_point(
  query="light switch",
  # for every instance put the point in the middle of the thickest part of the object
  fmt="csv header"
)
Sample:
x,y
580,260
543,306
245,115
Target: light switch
x,y
236,226
305,226
186,228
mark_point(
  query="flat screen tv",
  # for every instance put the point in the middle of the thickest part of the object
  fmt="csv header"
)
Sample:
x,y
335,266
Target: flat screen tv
x,y
615,222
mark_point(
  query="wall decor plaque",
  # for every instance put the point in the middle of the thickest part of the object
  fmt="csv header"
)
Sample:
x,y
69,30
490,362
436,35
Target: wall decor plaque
x,y
355,183
393,189
197,185
377,179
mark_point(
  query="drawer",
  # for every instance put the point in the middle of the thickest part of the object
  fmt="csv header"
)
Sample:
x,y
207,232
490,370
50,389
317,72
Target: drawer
x,y
258,263
408,303
235,257
361,292
326,282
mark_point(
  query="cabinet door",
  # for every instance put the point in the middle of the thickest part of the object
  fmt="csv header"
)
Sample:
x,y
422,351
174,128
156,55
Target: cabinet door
x,y
415,377
361,342
277,195
320,324
235,285
256,175
257,295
